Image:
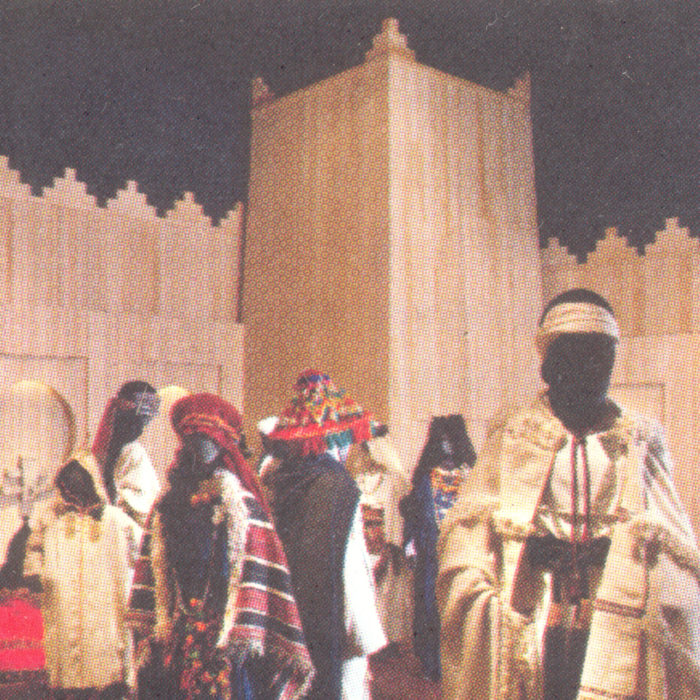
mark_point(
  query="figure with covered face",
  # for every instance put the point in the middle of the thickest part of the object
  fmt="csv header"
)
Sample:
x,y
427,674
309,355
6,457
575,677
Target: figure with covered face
x,y
212,585
444,463
79,550
568,566
318,515
126,469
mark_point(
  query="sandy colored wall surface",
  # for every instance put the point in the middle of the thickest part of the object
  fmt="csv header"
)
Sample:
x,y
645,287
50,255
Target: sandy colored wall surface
x,y
391,231
94,296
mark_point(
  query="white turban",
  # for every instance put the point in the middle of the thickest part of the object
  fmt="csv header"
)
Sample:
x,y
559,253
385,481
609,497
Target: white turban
x,y
574,317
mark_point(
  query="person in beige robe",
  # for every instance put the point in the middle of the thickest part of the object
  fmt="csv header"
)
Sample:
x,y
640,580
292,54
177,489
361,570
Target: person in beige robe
x,y
376,467
80,550
568,567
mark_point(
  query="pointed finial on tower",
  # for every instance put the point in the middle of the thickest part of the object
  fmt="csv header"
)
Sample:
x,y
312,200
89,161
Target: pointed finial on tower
x,y
521,88
390,41
261,93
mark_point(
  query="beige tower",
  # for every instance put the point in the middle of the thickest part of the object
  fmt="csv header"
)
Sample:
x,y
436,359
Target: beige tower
x,y
392,241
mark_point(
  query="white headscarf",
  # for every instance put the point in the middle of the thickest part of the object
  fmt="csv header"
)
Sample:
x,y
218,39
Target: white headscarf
x,y
574,317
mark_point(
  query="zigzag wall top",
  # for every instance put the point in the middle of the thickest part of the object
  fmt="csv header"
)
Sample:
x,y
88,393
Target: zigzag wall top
x,y
68,191
672,239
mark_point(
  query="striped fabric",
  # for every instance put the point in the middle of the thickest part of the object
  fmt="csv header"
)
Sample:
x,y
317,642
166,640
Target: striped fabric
x,y
266,615
142,601
265,623
22,656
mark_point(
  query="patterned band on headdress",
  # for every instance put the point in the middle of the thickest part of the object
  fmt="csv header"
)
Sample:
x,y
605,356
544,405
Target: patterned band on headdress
x,y
207,424
143,403
322,417
146,403
575,317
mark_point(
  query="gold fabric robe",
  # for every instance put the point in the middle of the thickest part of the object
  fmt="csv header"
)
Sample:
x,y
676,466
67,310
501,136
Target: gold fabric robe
x,y
645,633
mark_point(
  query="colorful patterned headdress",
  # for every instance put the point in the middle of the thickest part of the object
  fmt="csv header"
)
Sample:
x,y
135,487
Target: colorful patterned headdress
x,y
322,417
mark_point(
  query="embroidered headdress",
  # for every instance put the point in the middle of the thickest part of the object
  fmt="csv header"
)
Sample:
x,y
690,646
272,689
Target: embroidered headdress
x,y
575,311
322,417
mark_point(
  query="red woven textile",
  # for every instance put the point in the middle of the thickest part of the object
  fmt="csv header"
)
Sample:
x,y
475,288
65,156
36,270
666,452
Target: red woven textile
x,y
21,636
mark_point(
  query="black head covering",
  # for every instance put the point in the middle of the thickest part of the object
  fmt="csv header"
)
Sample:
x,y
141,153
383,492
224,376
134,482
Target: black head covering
x,y
128,426
577,367
447,439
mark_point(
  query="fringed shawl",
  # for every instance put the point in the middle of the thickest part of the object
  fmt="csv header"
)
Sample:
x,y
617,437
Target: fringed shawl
x,y
487,595
261,620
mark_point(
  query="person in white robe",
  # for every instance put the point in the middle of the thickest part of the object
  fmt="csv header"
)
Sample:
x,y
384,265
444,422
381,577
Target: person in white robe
x,y
568,567
80,551
127,472
376,467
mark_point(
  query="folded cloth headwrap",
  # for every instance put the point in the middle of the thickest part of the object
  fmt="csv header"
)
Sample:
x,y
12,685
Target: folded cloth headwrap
x,y
321,417
208,414
574,317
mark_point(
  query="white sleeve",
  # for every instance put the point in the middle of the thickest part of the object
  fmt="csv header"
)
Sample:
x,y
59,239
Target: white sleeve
x,y
362,623
135,479
674,587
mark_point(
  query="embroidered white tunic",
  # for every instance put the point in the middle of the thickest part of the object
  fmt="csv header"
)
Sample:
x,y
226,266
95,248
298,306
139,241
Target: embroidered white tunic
x,y
646,598
83,564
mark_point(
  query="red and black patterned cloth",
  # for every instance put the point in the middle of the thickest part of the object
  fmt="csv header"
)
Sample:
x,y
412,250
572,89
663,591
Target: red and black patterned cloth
x,y
266,632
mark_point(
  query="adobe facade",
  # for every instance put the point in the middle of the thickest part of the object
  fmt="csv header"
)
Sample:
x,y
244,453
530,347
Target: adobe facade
x,y
93,296
390,239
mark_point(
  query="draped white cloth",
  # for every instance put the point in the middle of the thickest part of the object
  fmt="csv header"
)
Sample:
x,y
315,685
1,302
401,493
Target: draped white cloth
x,y
136,481
646,598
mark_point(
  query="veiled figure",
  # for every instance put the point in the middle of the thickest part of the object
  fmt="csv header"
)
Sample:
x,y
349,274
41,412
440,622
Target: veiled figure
x,y
212,590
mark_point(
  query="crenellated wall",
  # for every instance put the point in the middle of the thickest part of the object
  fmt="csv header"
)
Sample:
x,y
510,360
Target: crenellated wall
x,y
391,240
391,227
128,260
95,295
655,292
656,298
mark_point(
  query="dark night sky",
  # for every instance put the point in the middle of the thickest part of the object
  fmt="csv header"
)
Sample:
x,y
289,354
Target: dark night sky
x,y
158,92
